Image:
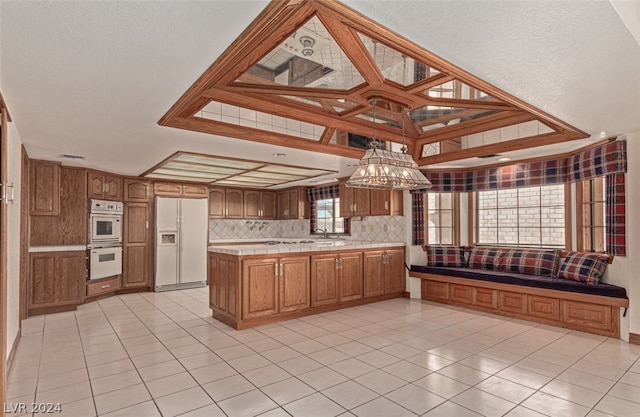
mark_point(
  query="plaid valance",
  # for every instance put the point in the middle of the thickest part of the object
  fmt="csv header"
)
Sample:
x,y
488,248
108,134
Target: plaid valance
x,y
323,193
607,159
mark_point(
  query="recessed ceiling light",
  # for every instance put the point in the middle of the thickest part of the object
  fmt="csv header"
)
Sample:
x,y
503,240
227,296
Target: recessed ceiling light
x,y
279,154
505,159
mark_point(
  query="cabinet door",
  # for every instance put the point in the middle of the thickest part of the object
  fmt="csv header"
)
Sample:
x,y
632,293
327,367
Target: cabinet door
x,y
252,204
395,280
45,188
42,278
282,205
259,288
294,284
235,204
362,202
397,205
95,185
113,189
135,266
373,274
268,205
324,280
230,268
346,201
167,189
71,277
136,224
217,203
350,276
380,202
194,191
137,191
213,274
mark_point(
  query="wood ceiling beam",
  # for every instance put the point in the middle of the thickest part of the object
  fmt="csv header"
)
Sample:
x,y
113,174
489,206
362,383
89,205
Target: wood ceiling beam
x,y
508,146
256,135
469,104
495,121
278,89
309,114
428,83
353,47
327,135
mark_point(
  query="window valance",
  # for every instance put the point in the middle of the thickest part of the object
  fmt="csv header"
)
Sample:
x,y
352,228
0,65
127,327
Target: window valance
x,y
323,193
607,159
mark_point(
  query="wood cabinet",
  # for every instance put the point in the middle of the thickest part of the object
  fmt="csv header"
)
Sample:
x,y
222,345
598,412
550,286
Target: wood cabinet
x,y
336,278
69,226
354,202
358,202
137,191
174,189
137,246
384,272
45,188
96,288
259,205
274,285
226,203
293,204
56,281
104,186
386,203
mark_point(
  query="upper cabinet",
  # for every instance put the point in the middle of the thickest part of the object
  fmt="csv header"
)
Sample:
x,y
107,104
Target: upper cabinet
x,y
137,191
226,203
259,205
101,185
358,202
173,189
293,204
45,188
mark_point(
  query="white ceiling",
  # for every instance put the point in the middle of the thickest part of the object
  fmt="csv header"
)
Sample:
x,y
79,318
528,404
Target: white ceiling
x,y
93,78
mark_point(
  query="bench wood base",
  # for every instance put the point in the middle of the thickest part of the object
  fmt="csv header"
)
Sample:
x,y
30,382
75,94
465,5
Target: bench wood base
x,y
585,312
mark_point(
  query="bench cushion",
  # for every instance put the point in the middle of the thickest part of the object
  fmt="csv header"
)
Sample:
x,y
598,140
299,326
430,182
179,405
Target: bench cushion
x,y
551,283
530,261
445,256
583,267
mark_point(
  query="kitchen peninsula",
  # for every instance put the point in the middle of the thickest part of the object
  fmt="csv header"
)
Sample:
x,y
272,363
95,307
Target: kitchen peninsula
x,y
263,282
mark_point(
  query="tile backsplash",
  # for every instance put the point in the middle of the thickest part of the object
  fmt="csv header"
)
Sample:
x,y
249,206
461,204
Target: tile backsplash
x,y
373,229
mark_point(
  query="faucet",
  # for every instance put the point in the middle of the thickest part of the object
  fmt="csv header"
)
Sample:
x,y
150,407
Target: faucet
x,y
324,232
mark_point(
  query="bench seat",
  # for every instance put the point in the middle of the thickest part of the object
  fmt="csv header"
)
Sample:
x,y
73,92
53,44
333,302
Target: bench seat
x,y
593,308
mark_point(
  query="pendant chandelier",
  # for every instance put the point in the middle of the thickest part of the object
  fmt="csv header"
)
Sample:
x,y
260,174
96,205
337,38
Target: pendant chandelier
x,y
383,169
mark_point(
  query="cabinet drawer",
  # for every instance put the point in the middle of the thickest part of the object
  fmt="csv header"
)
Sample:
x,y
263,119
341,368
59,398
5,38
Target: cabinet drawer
x,y
514,302
461,293
590,315
485,297
103,286
544,307
434,290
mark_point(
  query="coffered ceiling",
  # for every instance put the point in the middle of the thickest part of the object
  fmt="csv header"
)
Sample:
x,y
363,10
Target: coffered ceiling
x,y
304,74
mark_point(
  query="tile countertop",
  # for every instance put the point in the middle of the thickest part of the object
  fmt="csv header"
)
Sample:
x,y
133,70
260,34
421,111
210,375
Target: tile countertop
x,y
293,245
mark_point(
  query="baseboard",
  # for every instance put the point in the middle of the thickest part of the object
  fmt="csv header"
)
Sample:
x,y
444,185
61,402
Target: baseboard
x,y
634,338
12,352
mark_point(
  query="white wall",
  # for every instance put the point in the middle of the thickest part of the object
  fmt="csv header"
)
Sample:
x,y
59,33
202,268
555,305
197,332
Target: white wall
x,y
624,270
14,160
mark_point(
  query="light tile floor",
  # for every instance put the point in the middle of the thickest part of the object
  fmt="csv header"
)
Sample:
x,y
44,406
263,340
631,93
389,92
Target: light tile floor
x,y
161,354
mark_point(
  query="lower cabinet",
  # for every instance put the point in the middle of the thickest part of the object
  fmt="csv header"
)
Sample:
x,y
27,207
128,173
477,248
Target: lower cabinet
x,y
56,280
274,285
336,278
223,284
384,272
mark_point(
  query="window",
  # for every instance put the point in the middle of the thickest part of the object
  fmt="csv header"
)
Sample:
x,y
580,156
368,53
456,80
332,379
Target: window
x,y
325,216
440,216
528,217
590,195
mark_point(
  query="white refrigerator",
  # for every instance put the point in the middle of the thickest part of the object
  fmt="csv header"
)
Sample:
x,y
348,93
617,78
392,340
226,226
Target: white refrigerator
x,y
181,245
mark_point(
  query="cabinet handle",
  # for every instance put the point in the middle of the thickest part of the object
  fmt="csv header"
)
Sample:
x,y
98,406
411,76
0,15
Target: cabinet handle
x,y
386,205
275,269
226,212
105,286
341,263
337,263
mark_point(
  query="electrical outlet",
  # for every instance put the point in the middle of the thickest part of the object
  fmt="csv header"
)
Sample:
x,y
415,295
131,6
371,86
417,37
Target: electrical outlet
x,y
233,228
385,228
